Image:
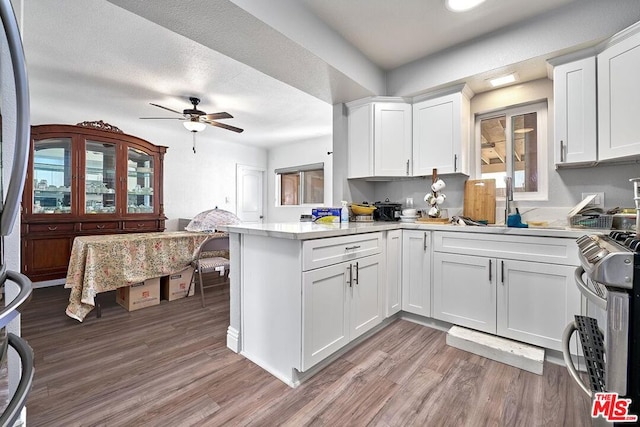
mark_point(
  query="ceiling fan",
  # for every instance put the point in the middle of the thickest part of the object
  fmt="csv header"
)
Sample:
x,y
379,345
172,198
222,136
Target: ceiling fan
x,y
195,120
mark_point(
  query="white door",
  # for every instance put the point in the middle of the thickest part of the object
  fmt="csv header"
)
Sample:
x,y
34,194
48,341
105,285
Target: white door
x,y
535,301
249,193
394,272
392,139
366,295
416,272
464,290
325,312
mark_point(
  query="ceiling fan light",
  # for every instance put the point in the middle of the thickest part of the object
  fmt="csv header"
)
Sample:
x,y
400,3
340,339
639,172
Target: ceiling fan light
x,y
194,126
462,5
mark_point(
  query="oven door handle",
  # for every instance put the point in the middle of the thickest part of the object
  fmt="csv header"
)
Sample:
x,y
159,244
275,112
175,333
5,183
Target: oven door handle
x,y
566,355
584,290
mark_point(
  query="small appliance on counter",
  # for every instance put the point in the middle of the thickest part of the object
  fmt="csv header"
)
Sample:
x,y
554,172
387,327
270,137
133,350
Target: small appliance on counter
x,y
387,211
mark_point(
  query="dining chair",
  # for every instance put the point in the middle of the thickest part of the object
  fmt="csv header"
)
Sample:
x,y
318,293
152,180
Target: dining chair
x,y
204,263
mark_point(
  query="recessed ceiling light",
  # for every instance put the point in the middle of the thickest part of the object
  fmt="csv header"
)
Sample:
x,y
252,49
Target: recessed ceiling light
x,y
503,80
462,5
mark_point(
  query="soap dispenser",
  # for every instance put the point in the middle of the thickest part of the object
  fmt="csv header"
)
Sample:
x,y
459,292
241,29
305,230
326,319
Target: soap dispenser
x,y
344,213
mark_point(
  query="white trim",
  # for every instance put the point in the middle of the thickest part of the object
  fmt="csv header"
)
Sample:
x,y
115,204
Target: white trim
x,y
233,339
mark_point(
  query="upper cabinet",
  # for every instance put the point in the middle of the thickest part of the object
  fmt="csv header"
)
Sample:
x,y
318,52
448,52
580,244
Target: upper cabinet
x,y
86,179
574,91
618,95
379,138
441,128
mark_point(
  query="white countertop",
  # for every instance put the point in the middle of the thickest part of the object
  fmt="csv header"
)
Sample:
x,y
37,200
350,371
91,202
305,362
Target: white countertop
x,y
309,230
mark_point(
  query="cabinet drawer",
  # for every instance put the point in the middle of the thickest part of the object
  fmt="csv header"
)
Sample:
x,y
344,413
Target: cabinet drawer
x,y
323,252
140,225
99,226
49,228
552,250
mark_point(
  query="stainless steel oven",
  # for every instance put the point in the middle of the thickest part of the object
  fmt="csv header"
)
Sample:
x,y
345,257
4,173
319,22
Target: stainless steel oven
x,y
609,278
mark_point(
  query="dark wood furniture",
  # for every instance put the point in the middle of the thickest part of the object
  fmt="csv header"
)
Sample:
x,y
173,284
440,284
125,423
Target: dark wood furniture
x,y
82,180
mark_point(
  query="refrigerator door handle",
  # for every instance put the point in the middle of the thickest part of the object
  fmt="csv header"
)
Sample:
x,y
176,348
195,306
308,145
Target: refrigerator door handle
x,y
11,310
19,399
11,206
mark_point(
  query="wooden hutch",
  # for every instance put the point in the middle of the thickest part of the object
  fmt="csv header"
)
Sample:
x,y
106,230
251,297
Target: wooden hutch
x,y
86,179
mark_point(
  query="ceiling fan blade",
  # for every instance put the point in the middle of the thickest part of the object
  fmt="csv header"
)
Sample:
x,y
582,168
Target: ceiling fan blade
x,y
165,108
223,126
216,116
161,118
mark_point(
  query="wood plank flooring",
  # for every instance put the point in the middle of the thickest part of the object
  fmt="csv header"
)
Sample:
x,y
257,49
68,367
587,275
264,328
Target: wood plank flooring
x,y
169,366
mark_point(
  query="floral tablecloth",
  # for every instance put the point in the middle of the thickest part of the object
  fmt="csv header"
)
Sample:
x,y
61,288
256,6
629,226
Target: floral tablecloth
x,y
104,263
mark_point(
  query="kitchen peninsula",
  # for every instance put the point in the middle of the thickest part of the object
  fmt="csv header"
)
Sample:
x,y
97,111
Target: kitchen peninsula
x,y
302,293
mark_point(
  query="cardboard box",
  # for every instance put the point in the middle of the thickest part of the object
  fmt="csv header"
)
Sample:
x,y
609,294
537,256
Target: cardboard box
x,y
139,295
326,215
175,286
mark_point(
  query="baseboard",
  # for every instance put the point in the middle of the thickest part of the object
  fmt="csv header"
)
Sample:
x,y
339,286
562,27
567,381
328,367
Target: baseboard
x,y
233,339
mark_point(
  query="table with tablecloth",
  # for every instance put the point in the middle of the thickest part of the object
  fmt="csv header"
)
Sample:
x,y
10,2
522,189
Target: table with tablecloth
x,y
107,262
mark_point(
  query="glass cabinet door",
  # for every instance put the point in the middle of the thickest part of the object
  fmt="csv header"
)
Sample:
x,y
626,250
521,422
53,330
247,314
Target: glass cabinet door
x,y
100,178
52,176
139,182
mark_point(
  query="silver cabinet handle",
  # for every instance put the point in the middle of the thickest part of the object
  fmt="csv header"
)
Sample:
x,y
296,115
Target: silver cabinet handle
x,y
424,241
455,163
490,271
348,248
407,167
502,271
357,279
561,151
350,268
23,130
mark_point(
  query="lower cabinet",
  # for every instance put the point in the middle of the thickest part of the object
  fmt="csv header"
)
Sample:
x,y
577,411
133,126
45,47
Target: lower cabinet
x,y
525,301
340,303
464,290
416,272
393,303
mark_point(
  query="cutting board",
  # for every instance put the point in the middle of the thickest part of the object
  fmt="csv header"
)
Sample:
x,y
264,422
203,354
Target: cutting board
x,y
480,200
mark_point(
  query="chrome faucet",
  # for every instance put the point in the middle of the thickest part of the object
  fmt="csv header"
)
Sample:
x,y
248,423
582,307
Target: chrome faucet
x,y
508,197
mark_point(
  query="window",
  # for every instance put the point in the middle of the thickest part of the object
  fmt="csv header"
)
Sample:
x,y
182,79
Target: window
x,y
513,143
300,185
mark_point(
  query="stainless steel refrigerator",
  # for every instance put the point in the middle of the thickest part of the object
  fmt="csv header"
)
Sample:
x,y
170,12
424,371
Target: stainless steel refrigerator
x,y
14,152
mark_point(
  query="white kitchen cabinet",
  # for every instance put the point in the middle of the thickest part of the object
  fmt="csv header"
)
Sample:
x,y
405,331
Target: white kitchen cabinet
x,y
517,287
618,95
416,272
574,91
464,291
379,138
393,303
441,129
534,300
340,303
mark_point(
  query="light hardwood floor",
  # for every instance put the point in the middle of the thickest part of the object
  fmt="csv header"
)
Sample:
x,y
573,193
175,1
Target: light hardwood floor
x,y
168,366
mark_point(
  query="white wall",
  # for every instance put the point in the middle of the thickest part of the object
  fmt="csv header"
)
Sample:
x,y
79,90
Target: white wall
x,y
298,154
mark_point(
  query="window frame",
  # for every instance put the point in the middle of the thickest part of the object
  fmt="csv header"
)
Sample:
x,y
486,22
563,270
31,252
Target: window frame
x,y
301,192
542,110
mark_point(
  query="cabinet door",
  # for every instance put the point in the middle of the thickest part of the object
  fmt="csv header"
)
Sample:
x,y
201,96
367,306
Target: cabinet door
x,y
574,89
140,182
367,297
47,257
392,139
416,272
464,290
535,302
618,94
440,130
393,303
360,141
325,312
100,183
